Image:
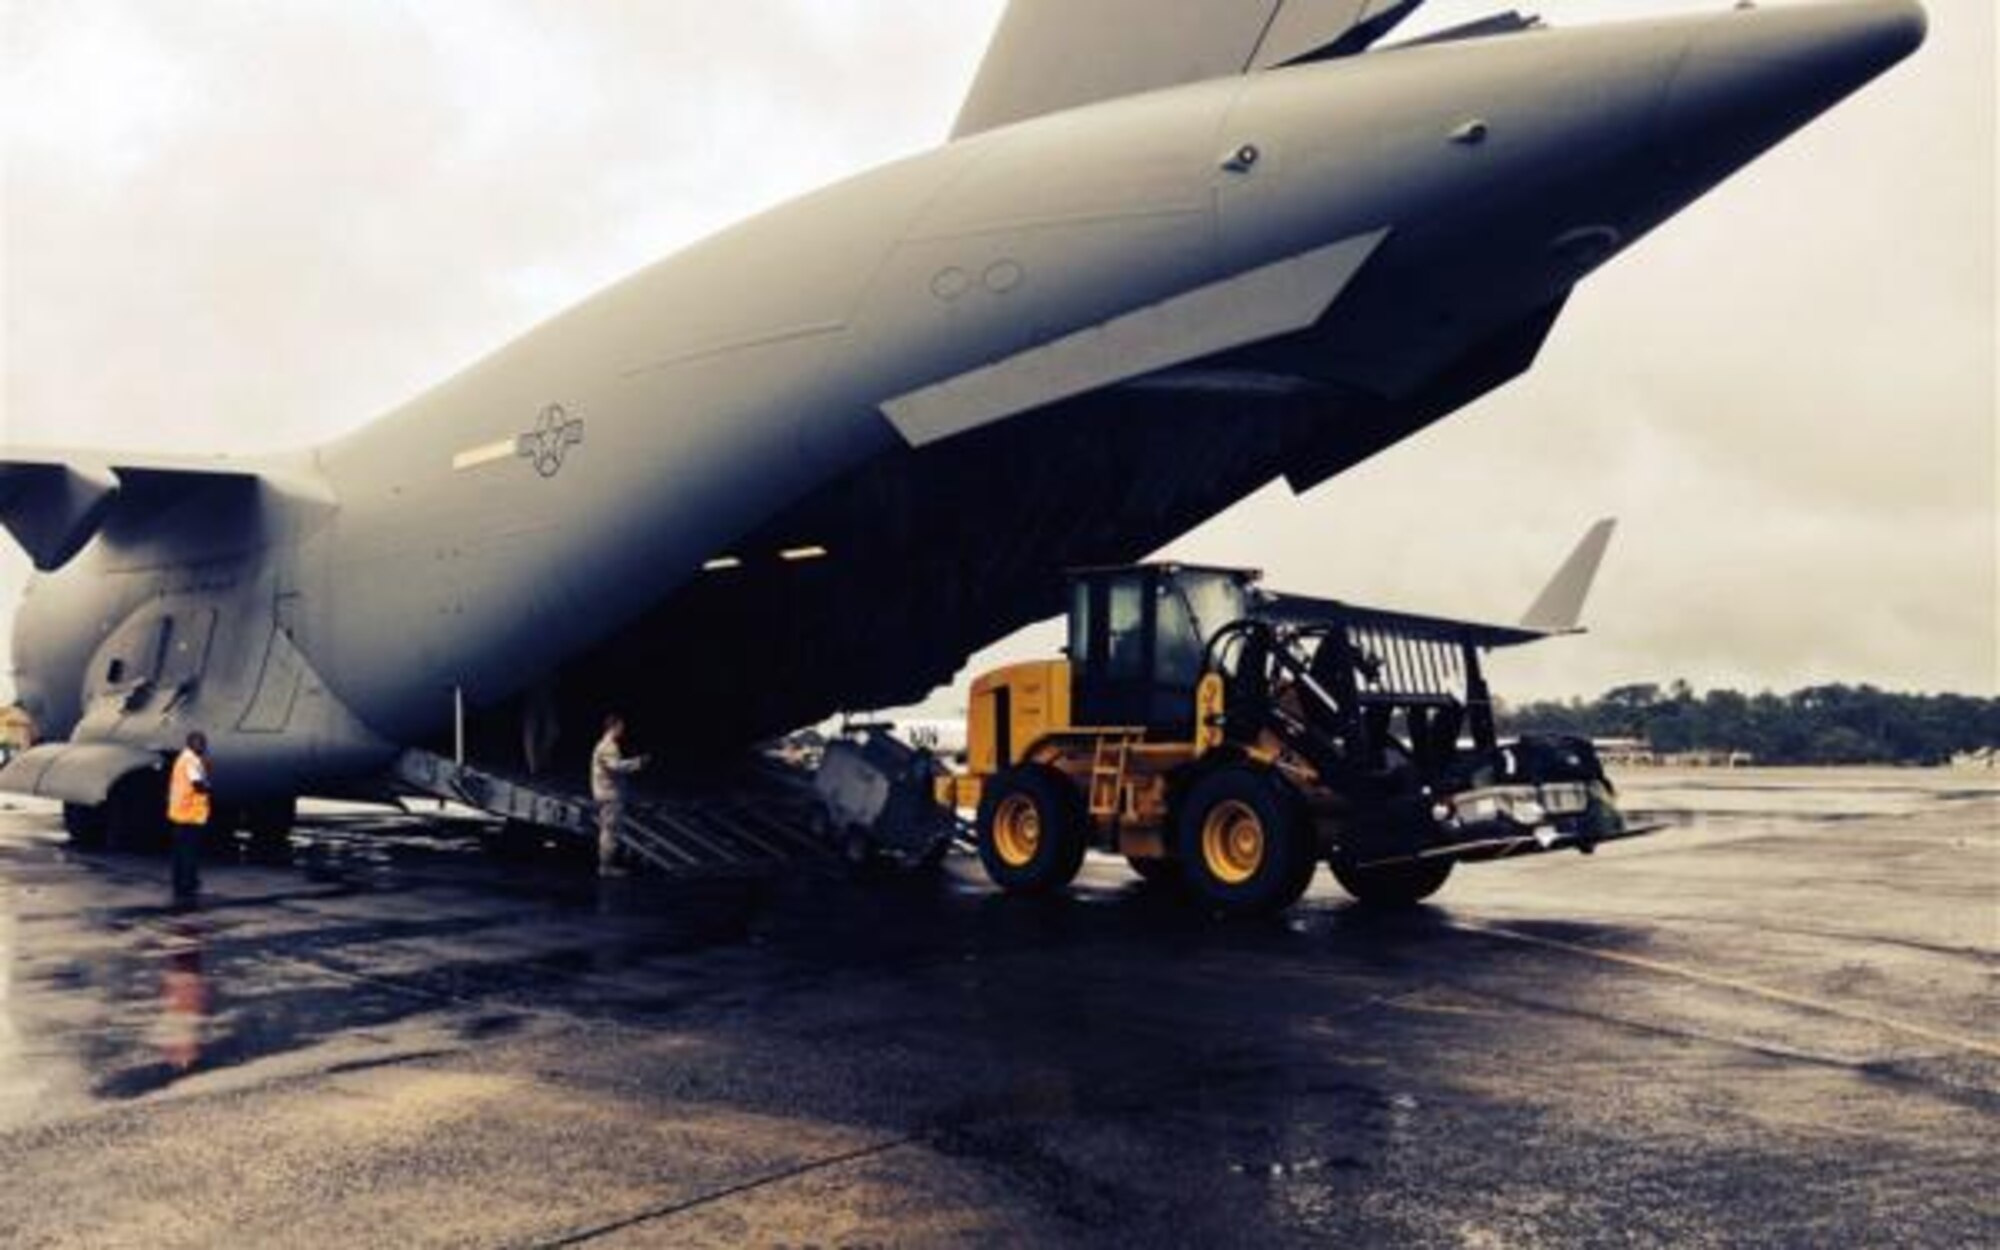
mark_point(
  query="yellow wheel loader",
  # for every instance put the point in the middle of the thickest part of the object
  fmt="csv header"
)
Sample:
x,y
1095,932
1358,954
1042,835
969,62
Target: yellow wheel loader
x,y
1226,741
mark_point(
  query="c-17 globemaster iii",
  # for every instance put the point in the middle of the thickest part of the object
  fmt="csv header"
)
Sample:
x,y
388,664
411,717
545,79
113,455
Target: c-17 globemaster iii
x,y
1169,254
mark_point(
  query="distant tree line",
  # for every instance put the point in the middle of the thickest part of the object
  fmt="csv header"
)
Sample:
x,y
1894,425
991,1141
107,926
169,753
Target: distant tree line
x,y
1817,725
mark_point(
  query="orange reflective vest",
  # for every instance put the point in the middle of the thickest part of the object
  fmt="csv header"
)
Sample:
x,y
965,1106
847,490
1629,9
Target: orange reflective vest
x,y
187,805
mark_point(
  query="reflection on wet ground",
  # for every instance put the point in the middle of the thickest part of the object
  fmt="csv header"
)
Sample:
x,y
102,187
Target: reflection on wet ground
x,y
1775,1022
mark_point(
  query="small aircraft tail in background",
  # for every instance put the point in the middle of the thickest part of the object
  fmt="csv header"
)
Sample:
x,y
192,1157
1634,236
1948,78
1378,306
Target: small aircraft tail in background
x,y
1559,608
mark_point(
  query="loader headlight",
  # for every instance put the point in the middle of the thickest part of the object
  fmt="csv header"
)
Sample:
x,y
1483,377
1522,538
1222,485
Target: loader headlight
x,y
1479,809
1566,798
1516,804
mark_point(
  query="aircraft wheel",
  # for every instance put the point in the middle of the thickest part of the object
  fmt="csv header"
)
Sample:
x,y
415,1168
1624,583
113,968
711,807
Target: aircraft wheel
x,y
856,849
1244,842
1156,872
1030,830
88,827
136,812
269,824
1393,885
516,841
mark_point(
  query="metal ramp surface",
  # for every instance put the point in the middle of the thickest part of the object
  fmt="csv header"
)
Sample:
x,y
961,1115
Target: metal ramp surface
x,y
762,825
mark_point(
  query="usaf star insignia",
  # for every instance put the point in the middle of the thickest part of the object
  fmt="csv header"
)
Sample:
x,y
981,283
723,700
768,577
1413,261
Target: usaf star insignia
x,y
549,442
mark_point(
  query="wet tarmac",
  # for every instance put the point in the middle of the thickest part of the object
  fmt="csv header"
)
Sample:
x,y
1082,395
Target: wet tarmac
x,y
1775,1024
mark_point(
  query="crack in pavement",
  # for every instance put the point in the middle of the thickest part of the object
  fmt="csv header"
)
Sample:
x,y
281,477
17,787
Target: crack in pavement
x,y
666,1210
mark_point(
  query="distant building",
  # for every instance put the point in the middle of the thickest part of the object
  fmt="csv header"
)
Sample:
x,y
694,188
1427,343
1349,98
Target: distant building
x,y
1625,752
1708,759
1639,753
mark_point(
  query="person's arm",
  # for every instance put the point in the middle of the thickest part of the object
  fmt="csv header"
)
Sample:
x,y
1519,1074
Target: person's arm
x,y
198,775
608,758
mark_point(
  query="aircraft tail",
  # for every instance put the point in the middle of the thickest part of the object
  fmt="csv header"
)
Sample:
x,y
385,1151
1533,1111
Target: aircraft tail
x,y
1559,608
54,502
1050,55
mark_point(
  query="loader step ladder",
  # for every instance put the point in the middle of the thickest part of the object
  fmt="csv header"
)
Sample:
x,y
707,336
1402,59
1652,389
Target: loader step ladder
x,y
760,826
1107,775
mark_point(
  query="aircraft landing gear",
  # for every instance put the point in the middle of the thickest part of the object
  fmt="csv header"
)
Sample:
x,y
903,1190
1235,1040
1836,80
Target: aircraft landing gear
x,y
269,824
89,828
136,812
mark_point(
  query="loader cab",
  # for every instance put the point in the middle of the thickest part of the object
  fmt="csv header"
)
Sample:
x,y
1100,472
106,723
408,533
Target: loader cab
x,y
1137,639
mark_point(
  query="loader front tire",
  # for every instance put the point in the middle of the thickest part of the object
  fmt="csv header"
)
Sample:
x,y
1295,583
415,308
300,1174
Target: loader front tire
x,y
1244,842
1392,886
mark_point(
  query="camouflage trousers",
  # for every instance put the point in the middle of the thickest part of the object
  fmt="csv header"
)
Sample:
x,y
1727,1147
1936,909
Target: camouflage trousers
x,y
609,813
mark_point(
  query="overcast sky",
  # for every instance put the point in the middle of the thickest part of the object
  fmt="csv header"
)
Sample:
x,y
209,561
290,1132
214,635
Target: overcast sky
x,y
244,226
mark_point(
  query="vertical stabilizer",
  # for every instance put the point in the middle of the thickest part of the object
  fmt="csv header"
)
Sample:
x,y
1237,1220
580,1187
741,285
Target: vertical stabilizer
x,y
1051,55
1559,608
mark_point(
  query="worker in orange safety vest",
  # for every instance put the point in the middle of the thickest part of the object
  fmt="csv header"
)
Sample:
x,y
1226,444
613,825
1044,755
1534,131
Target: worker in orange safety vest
x,y
188,809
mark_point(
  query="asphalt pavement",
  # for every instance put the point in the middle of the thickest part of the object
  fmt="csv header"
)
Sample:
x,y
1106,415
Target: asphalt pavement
x,y
1773,1024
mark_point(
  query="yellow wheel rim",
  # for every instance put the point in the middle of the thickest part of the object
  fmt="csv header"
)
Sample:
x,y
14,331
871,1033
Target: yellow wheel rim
x,y
1017,830
1232,842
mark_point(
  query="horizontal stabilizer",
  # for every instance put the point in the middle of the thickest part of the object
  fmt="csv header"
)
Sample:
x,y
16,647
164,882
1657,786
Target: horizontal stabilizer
x,y
1508,23
53,509
1051,55
75,772
1559,608
1299,32
1306,610
54,503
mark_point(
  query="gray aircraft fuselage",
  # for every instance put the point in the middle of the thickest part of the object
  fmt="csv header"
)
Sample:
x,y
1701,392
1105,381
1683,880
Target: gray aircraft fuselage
x,y
932,386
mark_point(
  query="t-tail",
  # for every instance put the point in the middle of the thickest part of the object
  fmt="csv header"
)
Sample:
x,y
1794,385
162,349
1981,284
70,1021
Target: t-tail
x,y
1559,608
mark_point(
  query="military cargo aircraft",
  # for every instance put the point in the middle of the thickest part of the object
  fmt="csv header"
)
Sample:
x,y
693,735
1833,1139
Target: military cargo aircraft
x,y
1169,254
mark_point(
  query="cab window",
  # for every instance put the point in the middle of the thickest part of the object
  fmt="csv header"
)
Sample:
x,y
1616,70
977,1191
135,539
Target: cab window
x,y
1125,615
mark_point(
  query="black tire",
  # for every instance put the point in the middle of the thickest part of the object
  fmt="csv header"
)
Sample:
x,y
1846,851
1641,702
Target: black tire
x,y
856,849
933,858
269,826
89,828
271,821
1157,873
1244,842
136,812
1031,830
1393,885
517,841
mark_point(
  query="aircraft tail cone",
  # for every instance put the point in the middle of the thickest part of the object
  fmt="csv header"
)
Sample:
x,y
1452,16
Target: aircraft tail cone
x,y
1753,76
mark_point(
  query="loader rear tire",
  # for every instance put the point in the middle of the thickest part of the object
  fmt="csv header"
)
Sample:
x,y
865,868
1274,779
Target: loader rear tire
x,y
1031,835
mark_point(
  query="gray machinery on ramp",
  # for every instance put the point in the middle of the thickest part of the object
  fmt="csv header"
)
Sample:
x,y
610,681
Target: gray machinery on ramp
x,y
1168,255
